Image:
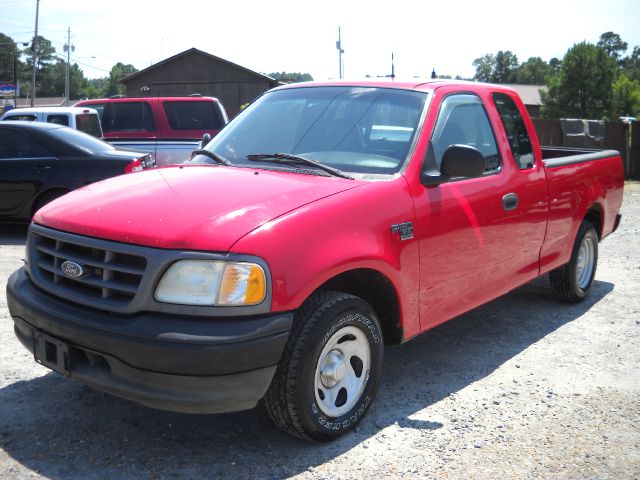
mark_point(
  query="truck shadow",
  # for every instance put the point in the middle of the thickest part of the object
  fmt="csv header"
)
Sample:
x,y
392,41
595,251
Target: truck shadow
x,y
13,233
61,429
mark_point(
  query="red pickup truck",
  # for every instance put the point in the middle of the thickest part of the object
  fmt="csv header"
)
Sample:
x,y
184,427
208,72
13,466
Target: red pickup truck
x,y
169,128
326,221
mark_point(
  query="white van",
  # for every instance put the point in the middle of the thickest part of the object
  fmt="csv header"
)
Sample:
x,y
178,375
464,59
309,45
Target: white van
x,y
81,118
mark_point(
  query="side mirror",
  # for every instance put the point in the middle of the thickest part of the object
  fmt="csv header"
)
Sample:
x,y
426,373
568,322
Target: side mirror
x,y
457,161
462,161
206,138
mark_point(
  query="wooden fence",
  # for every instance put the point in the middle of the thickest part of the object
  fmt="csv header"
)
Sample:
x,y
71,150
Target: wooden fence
x,y
622,137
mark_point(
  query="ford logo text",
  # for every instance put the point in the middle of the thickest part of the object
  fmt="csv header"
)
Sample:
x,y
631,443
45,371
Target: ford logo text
x,y
72,269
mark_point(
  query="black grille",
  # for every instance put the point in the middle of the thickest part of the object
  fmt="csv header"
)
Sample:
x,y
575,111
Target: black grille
x,y
108,277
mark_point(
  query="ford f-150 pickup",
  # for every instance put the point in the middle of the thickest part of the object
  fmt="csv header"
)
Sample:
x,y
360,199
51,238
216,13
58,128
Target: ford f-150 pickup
x,y
324,222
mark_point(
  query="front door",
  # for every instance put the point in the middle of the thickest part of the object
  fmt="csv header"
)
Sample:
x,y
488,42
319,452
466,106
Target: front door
x,y
471,231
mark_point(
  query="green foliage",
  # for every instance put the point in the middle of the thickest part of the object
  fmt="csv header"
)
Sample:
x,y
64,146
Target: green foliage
x,y
45,53
612,44
506,67
8,50
583,86
534,72
118,72
626,97
287,77
631,64
499,68
484,66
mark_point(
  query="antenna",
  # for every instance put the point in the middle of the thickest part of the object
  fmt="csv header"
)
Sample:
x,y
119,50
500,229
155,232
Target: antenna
x,y
393,68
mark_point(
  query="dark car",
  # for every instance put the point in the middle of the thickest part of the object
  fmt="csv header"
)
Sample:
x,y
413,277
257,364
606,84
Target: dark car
x,y
40,162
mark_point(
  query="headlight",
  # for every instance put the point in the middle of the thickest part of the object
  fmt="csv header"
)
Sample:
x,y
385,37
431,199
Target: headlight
x,y
210,282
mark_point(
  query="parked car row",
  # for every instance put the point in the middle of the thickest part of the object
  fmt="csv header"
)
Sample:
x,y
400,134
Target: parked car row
x,y
41,159
84,119
169,128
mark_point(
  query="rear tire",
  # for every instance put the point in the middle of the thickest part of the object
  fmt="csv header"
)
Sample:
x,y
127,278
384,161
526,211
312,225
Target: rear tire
x,y
330,369
572,282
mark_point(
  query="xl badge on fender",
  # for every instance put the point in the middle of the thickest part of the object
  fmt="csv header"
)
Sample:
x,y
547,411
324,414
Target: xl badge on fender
x,y
404,229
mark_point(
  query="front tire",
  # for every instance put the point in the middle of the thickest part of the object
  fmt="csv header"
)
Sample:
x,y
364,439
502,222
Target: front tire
x,y
330,369
572,282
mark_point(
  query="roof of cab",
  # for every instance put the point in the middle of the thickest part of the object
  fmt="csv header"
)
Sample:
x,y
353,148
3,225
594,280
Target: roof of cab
x,y
23,111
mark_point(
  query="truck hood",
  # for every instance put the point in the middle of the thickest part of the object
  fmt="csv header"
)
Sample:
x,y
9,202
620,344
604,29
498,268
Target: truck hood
x,y
186,207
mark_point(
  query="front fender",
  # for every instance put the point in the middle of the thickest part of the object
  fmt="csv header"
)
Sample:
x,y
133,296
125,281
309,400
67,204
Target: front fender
x,y
350,230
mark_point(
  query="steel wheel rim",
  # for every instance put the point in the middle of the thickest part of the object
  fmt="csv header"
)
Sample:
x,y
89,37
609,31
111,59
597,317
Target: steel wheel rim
x,y
585,263
342,371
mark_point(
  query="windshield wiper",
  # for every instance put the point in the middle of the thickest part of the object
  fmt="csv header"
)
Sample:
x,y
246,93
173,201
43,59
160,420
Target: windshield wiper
x,y
214,156
288,158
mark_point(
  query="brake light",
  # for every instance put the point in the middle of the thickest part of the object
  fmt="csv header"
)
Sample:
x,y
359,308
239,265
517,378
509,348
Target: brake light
x,y
139,164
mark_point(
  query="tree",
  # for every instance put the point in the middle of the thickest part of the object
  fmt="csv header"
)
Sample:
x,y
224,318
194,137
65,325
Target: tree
x,y
485,66
555,64
612,44
631,64
291,77
583,86
45,54
626,97
117,73
8,51
51,80
505,69
533,72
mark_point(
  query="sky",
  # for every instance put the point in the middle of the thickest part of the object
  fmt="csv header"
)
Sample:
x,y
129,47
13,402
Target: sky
x,y
300,36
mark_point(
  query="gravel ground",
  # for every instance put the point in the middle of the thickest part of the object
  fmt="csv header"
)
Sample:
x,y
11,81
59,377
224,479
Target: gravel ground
x,y
523,387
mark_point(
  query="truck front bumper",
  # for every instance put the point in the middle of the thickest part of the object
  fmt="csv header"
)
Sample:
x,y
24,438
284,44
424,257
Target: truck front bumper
x,y
177,363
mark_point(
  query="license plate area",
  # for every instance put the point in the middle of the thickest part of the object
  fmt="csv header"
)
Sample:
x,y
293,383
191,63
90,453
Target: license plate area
x,y
51,352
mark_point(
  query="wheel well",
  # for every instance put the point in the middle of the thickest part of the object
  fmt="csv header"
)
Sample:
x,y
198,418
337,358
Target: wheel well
x,y
594,215
375,289
51,194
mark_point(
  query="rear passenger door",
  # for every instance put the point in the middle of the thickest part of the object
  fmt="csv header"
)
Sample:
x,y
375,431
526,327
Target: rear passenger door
x,y
25,168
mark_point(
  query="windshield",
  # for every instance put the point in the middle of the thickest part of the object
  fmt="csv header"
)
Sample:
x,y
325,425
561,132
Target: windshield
x,y
353,129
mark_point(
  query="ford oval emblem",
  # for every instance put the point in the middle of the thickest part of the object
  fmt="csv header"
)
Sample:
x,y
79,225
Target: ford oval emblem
x,y
72,269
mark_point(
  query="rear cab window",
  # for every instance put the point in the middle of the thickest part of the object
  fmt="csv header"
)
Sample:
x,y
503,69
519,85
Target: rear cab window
x,y
58,119
516,130
193,115
89,123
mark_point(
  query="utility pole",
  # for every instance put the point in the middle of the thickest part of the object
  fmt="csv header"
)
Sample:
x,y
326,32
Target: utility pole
x,y
67,48
15,81
340,52
34,56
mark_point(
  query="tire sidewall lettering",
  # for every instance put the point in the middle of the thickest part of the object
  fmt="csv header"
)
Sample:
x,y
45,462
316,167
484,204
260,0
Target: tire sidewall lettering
x,y
336,424
354,319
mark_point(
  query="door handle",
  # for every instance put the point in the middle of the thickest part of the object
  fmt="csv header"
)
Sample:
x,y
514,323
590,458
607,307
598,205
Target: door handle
x,y
40,168
510,201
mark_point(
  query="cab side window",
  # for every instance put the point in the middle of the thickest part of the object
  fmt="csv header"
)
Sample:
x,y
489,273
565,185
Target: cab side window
x,y
127,117
58,119
519,140
462,120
